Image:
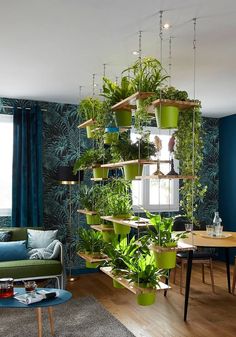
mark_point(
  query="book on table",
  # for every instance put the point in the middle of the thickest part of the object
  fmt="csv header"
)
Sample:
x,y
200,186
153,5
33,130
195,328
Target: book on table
x,y
40,295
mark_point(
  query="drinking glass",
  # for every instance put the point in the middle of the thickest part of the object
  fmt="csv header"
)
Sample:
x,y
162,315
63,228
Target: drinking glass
x,y
30,287
209,230
188,227
218,230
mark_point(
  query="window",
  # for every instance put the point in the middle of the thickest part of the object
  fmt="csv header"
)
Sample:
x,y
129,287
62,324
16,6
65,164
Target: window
x,y
155,194
6,153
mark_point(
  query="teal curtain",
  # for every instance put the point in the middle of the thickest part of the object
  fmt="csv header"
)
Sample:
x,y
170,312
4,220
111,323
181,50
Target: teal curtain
x,y
27,168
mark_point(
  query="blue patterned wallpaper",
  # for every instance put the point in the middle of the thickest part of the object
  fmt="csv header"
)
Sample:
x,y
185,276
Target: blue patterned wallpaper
x,y
62,143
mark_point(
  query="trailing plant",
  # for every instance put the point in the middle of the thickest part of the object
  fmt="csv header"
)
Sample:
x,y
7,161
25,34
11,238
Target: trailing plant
x,y
173,94
189,152
161,233
114,92
90,241
91,107
90,197
125,150
92,157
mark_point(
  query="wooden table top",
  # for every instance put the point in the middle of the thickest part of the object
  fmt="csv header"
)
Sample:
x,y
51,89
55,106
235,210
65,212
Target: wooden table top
x,y
200,239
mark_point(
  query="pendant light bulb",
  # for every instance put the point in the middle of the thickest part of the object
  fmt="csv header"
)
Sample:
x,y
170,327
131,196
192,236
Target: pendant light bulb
x,y
166,26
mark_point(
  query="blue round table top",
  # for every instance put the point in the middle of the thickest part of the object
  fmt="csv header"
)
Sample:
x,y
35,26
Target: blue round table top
x,y
63,297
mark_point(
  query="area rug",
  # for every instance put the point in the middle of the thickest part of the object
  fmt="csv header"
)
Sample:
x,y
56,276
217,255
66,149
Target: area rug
x,y
82,317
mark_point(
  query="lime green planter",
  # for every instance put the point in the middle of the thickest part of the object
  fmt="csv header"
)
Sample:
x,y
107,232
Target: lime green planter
x,y
165,260
146,299
89,130
119,228
100,172
91,265
132,170
167,117
93,219
108,236
107,225
123,118
117,285
111,137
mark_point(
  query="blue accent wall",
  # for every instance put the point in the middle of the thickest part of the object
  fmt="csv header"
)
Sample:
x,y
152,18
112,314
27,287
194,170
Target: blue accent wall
x,y
227,173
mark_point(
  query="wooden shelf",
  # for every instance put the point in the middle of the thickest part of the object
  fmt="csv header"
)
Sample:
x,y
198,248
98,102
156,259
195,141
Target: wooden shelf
x,y
84,211
129,102
182,105
99,179
140,223
181,247
91,259
136,161
170,177
130,285
87,123
101,229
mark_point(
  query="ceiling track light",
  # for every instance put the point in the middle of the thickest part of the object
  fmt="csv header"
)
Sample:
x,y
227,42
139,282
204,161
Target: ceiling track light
x,y
166,26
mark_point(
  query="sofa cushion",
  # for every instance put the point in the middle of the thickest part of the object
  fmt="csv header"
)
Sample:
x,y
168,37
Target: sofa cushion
x,y
5,236
40,239
13,250
30,268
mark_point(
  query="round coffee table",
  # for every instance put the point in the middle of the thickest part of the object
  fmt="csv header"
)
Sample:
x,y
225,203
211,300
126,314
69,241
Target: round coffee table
x,y
63,297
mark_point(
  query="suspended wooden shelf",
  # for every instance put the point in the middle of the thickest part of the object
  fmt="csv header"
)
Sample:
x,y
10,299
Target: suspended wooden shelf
x,y
129,102
170,177
182,105
99,228
92,259
130,285
140,223
136,161
87,123
181,247
99,179
84,211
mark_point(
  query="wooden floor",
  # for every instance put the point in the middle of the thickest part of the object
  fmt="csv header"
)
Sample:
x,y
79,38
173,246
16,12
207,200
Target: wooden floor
x,y
210,315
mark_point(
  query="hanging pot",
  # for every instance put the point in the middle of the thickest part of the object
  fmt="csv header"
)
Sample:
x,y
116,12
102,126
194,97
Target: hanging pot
x,y
89,130
119,228
91,265
166,260
93,219
100,172
147,298
133,170
123,118
167,117
108,236
111,135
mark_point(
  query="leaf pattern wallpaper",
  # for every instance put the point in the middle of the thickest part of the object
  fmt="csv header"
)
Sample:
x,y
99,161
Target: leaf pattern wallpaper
x,y
63,142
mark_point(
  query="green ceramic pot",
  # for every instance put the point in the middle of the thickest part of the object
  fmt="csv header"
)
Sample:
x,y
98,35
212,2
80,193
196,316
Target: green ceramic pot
x,y
132,170
93,219
111,138
165,260
89,131
107,225
117,285
167,117
91,265
146,299
123,118
108,236
100,172
119,228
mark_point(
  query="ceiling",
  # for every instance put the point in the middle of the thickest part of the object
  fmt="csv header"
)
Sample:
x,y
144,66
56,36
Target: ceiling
x,y
51,48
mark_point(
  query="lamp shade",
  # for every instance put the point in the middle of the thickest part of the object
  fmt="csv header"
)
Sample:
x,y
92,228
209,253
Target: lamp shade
x,y
66,176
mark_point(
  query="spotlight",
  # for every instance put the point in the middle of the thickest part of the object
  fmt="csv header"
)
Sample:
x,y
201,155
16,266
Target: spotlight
x,y
135,52
166,26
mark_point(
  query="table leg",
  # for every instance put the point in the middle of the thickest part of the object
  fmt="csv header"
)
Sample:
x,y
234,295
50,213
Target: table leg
x,y
188,279
50,314
167,281
39,319
227,268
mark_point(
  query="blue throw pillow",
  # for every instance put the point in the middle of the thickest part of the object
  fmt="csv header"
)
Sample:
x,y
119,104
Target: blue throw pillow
x,y
5,236
13,250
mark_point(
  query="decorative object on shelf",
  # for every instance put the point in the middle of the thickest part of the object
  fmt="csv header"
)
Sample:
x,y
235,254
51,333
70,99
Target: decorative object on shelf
x,y
171,146
158,147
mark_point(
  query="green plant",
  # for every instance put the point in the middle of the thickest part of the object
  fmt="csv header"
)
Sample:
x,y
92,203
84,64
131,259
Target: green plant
x,y
114,92
91,157
90,241
125,150
142,270
173,94
91,107
189,152
90,197
161,233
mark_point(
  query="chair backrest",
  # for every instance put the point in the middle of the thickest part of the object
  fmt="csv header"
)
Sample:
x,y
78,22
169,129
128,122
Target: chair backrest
x,y
179,223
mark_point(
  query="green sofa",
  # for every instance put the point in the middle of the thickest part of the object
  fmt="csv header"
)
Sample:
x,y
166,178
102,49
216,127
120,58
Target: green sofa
x,y
31,269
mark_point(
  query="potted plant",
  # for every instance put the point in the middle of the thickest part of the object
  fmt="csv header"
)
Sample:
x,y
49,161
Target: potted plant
x,y
89,200
94,158
125,150
161,235
91,243
115,93
144,274
119,203
167,115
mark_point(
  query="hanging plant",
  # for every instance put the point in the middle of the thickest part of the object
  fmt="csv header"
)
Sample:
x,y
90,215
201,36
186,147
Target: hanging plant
x,y
189,152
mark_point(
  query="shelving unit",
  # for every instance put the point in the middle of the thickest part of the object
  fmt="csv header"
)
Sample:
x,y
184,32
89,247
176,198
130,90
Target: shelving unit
x,y
101,229
130,285
182,105
92,259
84,211
140,223
129,103
136,161
181,247
89,122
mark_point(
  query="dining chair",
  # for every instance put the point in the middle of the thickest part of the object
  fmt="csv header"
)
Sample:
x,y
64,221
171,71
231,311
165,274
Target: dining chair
x,y
234,276
201,256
